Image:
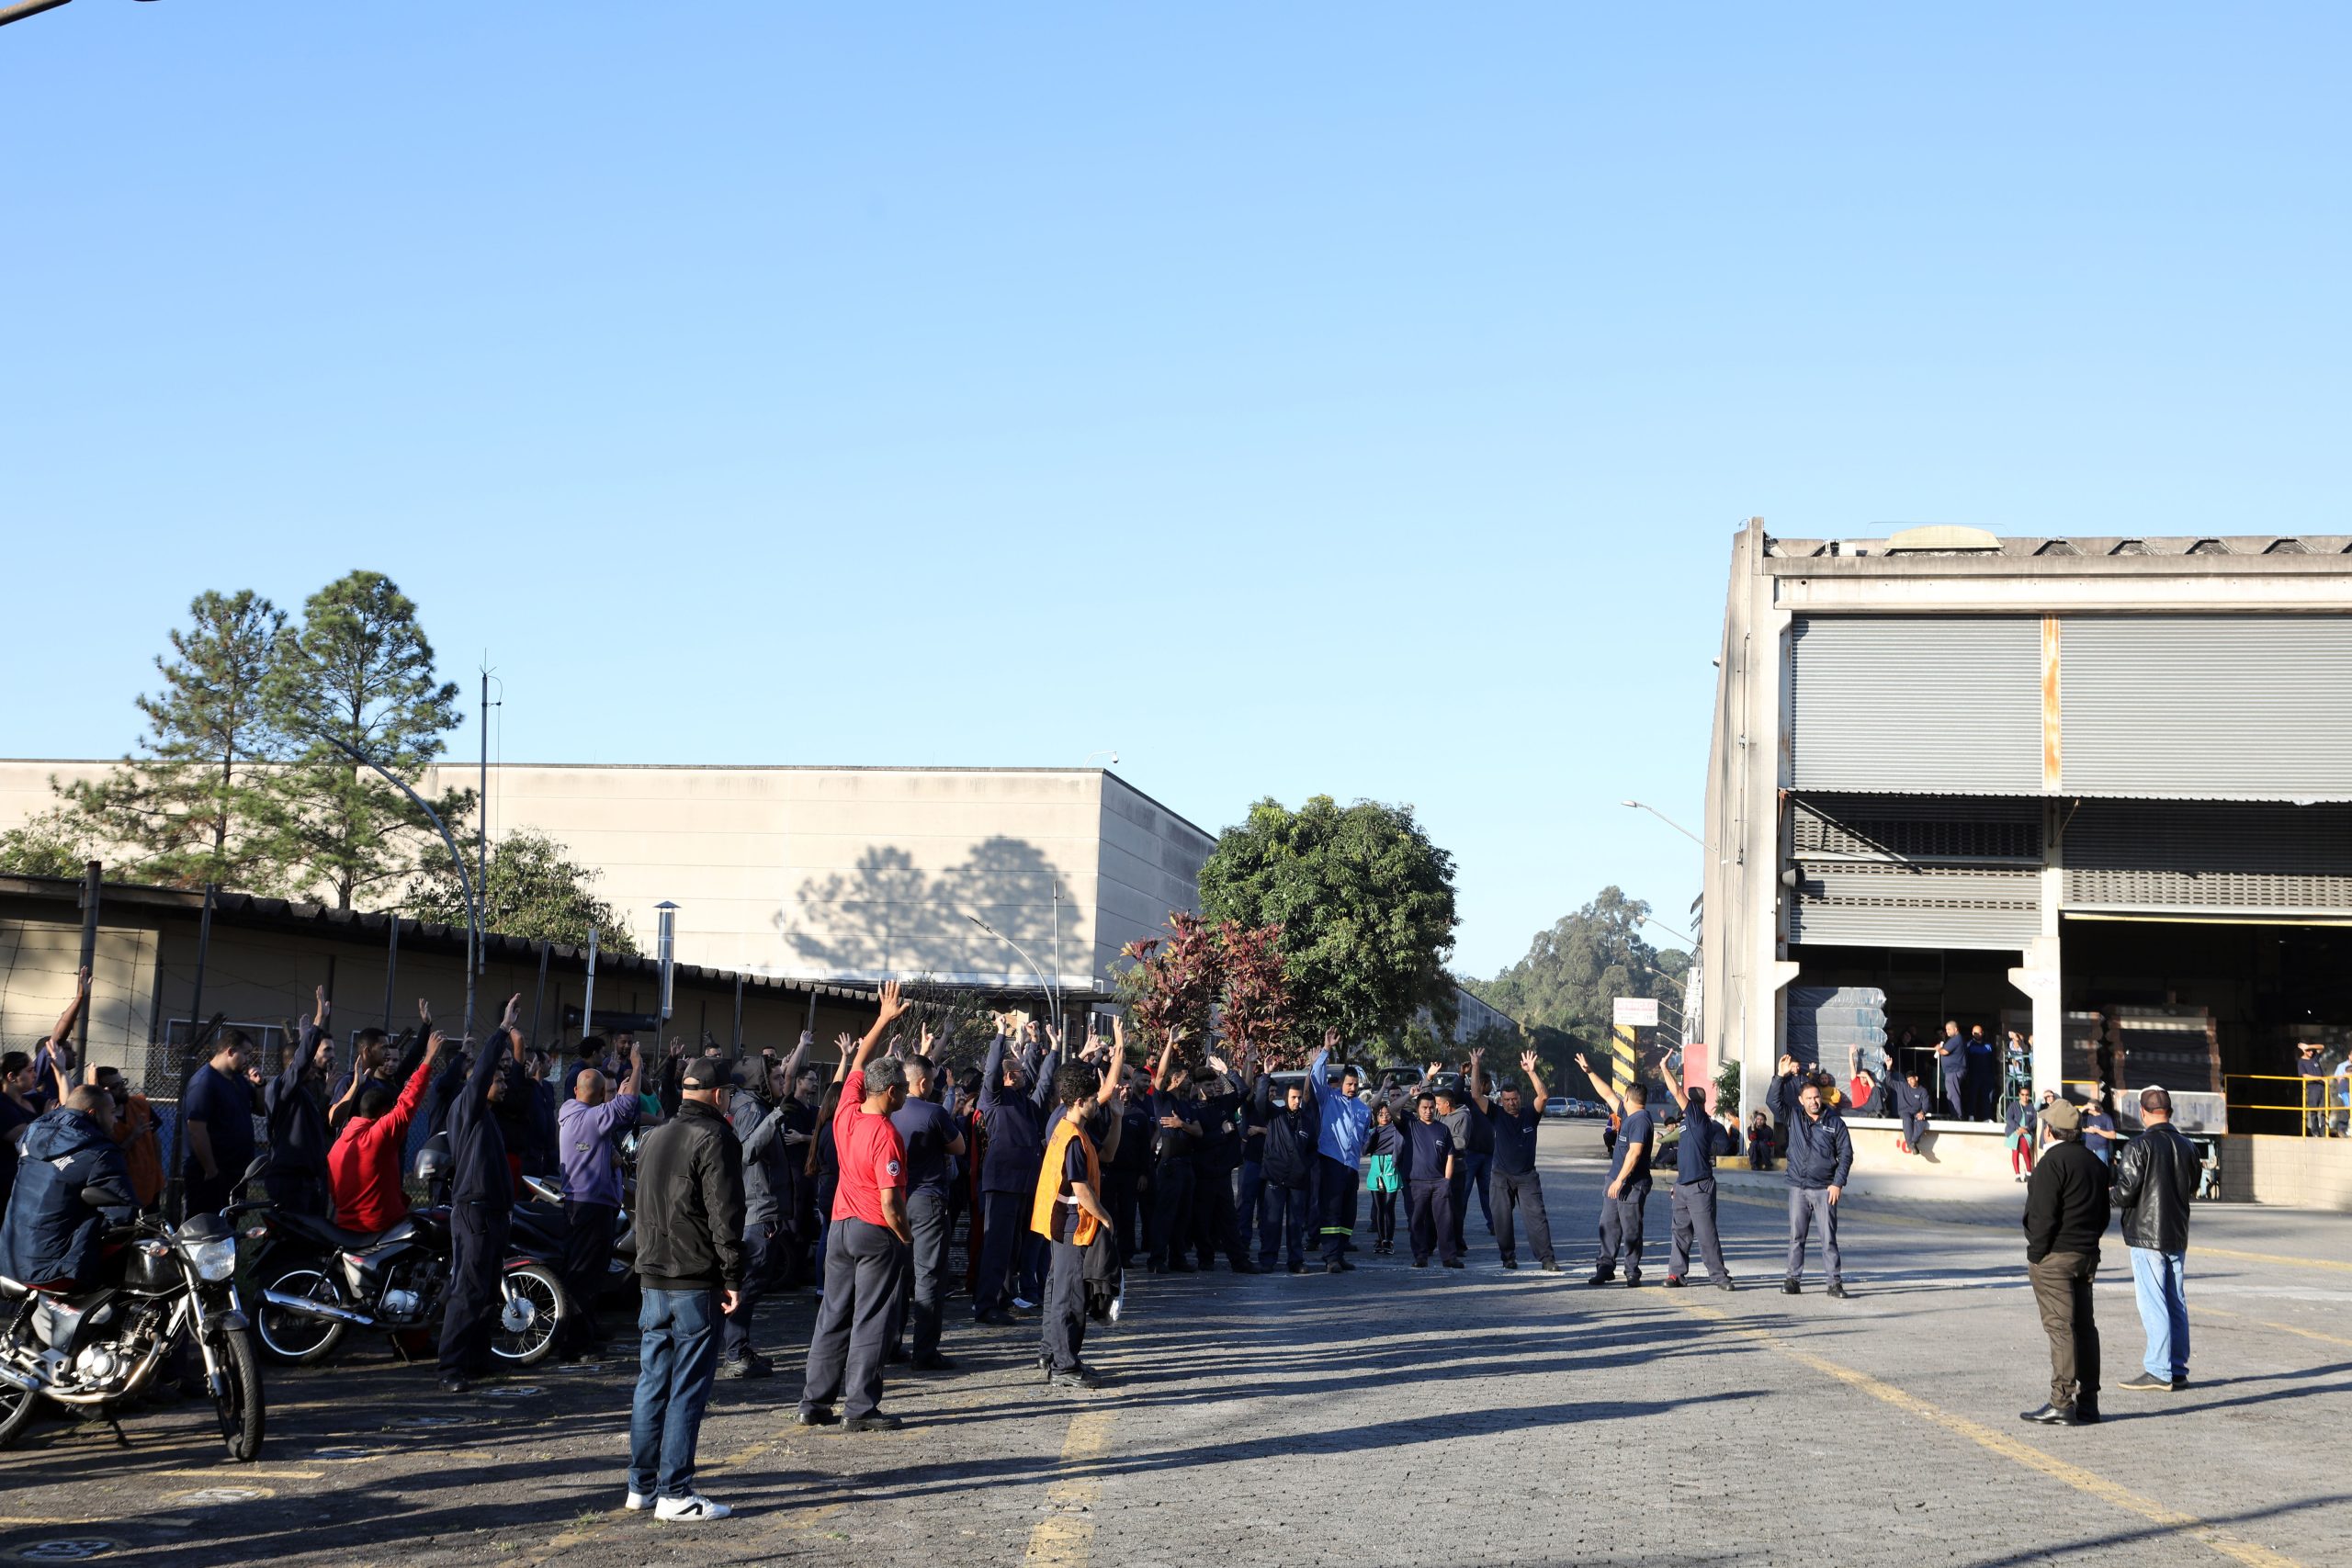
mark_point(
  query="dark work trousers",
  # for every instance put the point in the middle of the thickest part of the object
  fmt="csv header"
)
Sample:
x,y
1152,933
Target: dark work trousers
x,y
1428,1217
201,1194
1172,1213
1521,1198
1383,1218
845,1348
763,1252
1248,1191
1620,1231
1065,1305
1119,1193
1694,1216
2062,1289
1808,1207
1476,1170
477,1262
587,1259
302,1192
1914,1129
1956,1093
1282,1223
1214,1228
922,1294
1335,1203
1004,1226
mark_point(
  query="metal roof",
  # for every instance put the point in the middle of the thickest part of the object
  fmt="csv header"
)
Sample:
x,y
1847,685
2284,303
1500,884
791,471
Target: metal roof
x,y
374,926
2074,544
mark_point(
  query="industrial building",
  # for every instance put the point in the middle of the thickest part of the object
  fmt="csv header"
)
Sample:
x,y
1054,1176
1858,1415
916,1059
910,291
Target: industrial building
x,y
1019,879
2095,789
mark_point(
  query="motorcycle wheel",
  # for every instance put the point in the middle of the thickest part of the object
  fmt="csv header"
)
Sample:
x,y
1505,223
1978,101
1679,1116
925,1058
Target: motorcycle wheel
x,y
240,1403
289,1336
535,1308
17,1408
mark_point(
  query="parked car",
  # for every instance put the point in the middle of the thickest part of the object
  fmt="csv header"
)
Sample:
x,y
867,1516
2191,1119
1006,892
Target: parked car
x,y
1559,1107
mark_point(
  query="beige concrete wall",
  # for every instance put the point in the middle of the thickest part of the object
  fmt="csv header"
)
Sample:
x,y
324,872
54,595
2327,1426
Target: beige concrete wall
x,y
38,961
842,872
2302,1173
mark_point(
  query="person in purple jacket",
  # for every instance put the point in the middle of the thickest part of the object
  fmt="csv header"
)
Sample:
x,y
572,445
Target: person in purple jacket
x,y
589,1128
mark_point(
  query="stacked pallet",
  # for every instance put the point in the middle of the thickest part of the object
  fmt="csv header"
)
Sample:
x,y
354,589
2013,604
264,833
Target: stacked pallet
x,y
2177,1048
1836,1028
2084,1057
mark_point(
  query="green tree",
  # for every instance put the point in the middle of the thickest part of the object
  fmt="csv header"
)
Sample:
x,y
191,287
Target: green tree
x,y
1365,904
530,890
195,804
1573,971
54,843
360,671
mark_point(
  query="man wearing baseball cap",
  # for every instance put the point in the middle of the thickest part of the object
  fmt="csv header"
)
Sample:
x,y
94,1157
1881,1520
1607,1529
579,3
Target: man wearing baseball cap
x,y
690,1260
2065,1216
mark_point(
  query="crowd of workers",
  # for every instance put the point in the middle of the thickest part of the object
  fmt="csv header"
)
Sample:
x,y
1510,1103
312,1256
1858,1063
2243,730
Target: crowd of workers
x,y
1065,1169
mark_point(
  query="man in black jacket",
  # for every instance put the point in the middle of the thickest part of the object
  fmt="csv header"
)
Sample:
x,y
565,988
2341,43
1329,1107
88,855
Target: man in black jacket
x,y
2065,1216
296,1177
690,1263
2155,1177
1287,1162
481,1207
1821,1157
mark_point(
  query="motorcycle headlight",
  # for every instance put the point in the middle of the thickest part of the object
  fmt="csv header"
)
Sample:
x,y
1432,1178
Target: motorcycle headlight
x,y
213,1260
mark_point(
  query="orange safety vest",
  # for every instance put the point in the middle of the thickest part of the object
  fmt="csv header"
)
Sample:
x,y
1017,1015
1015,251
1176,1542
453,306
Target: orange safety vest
x,y
1049,1180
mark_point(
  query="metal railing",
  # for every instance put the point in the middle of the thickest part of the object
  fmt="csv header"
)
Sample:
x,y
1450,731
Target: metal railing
x,y
2319,1109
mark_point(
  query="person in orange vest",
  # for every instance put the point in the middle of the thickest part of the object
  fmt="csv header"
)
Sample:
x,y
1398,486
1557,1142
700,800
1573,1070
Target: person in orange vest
x,y
1067,1212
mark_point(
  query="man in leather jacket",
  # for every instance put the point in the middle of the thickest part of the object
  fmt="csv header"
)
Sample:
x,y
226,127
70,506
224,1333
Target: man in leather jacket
x,y
2155,1177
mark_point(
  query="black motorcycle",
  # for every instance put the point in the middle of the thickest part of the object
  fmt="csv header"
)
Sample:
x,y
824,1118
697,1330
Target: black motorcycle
x,y
95,1348
320,1281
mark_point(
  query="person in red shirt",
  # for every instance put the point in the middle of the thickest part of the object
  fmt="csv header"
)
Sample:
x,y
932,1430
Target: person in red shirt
x,y
863,1250
364,1166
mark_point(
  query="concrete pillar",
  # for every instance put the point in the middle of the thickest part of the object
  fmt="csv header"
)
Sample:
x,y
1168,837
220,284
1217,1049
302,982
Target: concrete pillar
x,y
2040,976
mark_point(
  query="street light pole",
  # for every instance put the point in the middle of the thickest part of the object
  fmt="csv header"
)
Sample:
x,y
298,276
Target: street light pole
x,y
1664,927
474,942
1670,821
18,12
1053,1001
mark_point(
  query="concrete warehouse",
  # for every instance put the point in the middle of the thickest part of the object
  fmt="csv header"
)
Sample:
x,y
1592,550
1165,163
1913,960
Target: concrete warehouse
x,y
2097,789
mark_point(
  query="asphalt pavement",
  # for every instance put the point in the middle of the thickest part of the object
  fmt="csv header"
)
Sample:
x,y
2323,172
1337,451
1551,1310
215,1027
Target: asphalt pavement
x,y
1392,1417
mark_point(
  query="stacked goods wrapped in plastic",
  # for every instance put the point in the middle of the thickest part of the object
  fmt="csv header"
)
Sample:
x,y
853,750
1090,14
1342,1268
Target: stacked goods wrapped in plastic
x,y
2177,1048
1837,1028
2084,1056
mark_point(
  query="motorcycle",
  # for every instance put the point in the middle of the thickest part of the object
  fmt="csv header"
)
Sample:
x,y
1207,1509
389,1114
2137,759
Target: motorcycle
x,y
321,1281
95,1348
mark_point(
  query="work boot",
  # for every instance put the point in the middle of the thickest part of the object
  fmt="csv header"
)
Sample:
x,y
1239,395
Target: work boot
x,y
1791,1288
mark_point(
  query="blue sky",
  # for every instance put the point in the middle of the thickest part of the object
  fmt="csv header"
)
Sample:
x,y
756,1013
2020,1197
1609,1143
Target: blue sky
x,y
1356,400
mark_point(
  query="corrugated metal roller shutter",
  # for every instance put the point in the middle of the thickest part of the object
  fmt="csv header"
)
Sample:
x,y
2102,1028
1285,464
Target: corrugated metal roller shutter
x,y
1920,704
2209,855
1906,828
1884,906
2215,707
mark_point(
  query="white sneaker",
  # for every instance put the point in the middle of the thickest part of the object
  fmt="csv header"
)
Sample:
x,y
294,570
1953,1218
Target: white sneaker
x,y
1024,1304
638,1503
690,1511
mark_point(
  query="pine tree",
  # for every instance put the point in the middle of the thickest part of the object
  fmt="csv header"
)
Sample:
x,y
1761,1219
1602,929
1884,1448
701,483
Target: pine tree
x,y
193,804
359,670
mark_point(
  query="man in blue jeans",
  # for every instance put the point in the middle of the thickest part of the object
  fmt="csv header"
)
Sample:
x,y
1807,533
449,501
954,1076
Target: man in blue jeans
x,y
690,1259
1343,1123
2155,1179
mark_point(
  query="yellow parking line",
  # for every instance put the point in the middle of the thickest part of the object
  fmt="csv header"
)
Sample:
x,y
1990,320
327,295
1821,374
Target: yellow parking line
x,y
1064,1536
2203,1310
2086,1482
1921,1221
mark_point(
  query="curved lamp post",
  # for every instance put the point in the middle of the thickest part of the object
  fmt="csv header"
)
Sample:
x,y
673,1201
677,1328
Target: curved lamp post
x,y
1053,998
457,856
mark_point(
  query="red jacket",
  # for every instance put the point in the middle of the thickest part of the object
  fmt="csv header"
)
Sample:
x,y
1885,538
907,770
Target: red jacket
x,y
364,1166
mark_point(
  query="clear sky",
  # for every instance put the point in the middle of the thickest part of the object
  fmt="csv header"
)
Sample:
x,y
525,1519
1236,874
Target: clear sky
x,y
1348,399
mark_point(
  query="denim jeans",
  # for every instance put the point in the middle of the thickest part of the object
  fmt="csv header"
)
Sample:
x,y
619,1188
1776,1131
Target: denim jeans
x,y
678,1352
2157,1283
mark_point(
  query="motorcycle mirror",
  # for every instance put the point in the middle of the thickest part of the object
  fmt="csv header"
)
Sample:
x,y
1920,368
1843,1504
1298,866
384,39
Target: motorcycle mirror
x,y
260,1164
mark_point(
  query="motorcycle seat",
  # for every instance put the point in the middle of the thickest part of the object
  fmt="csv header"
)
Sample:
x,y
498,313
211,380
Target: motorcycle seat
x,y
326,1231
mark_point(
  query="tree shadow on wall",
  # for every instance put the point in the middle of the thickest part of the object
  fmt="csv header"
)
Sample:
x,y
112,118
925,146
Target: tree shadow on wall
x,y
888,916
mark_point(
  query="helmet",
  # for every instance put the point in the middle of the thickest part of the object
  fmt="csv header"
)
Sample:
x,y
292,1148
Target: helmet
x,y
432,1161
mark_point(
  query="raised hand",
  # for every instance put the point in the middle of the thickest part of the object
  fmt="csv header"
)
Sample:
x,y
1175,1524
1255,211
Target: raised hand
x,y
1332,1038
424,1009
891,1005
318,1013
844,1042
1527,1063
514,1012
433,1043
1582,1065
